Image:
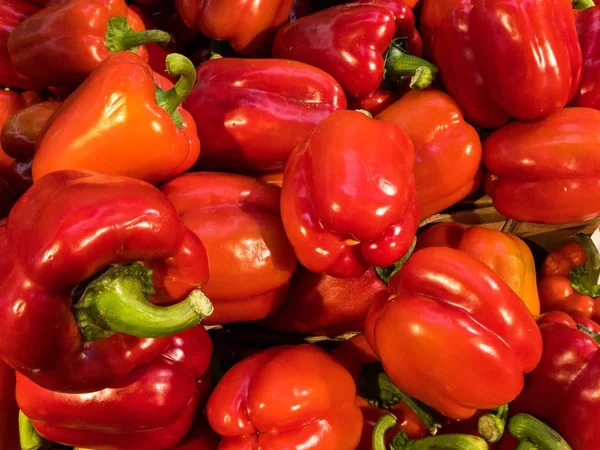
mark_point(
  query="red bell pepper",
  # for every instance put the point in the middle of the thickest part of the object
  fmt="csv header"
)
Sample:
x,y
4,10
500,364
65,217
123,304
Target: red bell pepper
x,y
374,103
363,213
251,113
144,131
325,305
67,228
9,412
286,397
151,408
588,93
12,13
247,25
200,437
500,59
563,389
546,171
443,140
10,103
237,218
453,334
569,279
67,40
328,40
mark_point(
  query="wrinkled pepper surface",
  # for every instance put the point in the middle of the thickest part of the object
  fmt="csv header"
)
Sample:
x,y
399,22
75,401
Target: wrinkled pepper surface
x,y
443,140
548,170
246,24
504,59
504,253
251,113
250,258
328,40
286,397
342,221
324,305
9,411
69,227
65,41
569,279
467,336
588,93
124,120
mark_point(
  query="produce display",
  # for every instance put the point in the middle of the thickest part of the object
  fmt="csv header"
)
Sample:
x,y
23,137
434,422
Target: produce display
x,y
299,225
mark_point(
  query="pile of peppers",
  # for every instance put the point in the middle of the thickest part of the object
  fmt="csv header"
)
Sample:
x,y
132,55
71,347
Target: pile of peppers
x,y
227,225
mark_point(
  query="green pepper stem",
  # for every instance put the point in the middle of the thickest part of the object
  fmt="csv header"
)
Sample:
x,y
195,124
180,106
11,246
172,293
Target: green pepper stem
x,y
526,445
120,37
509,226
386,273
525,427
117,302
491,426
580,5
385,384
170,100
584,279
399,64
28,436
440,442
383,425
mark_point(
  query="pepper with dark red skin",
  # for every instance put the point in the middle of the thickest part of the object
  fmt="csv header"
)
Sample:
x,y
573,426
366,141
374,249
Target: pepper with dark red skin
x,y
151,408
588,92
497,69
64,42
200,437
251,113
453,334
363,213
328,40
547,170
10,103
9,411
246,24
67,228
237,219
286,397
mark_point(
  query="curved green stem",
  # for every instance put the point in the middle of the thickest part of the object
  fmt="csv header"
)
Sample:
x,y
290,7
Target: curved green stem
x,y
525,427
383,425
120,37
491,426
29,438
580,5
440,442
509,226
117,302
584,279
385,384
386,273
526,445
170,100
399,64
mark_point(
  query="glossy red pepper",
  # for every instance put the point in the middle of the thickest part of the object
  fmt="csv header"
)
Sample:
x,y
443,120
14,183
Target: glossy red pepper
x,y
125,119
548,170
67,40
245,24
67,228
286,397
563,389
588,93
251,113
9,412
328,40
151,408
374,103
453,334
325,305
237,218
342,221
504,59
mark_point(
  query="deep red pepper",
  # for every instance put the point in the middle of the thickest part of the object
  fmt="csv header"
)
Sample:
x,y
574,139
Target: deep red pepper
x,y
200,437
588,93
151,408
67,228
251,113
363,213
501,59
9,412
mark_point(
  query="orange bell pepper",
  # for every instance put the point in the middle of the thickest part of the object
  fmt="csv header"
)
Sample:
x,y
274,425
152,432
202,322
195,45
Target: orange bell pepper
x,y
124,120
442,141
504,253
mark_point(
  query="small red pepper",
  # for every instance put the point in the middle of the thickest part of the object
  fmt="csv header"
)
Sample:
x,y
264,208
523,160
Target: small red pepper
x,y
363,213
9,412
67,40
237,218
548,170
588,93
67,228
251,113
286,397
125,119
246,24
151,408
328,40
